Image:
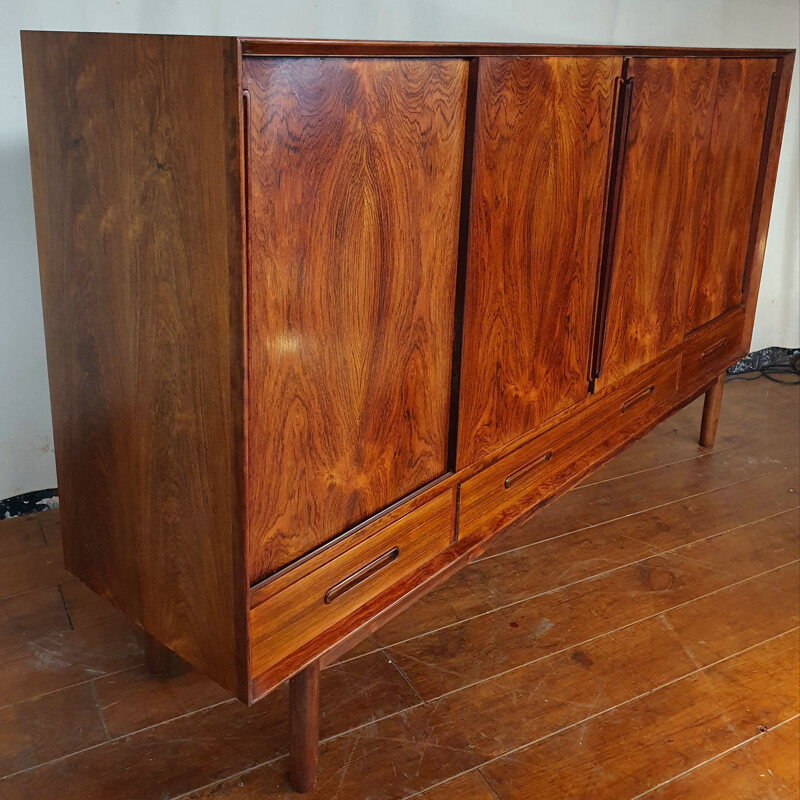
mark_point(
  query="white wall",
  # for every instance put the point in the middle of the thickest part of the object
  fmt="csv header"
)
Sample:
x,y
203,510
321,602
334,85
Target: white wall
x,y
26,454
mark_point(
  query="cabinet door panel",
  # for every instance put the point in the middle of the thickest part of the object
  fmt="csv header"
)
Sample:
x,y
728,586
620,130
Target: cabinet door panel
x,y
729,186
353,203
658,212
542,139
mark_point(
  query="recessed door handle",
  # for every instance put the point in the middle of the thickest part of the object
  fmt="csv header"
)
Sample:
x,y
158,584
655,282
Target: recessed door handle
x,y
528,468
711,350
356,578
637,398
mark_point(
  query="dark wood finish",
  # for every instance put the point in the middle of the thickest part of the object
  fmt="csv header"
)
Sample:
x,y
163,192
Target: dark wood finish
x,y
351,294
290,613
542,138
304,728
134,156
711,407
671,106
765,189
517,483
710,350
157,658
728,185
377,47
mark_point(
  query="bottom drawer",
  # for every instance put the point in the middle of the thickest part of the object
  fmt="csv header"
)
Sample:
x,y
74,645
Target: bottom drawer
x,y
537,470
710,350
286,616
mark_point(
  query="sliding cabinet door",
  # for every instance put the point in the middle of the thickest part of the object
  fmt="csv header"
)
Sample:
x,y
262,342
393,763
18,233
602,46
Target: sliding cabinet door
x,y
735,138
669,106
354,182
542,136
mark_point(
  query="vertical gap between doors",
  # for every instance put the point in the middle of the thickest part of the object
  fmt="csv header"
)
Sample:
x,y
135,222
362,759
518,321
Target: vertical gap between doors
x,y
461,264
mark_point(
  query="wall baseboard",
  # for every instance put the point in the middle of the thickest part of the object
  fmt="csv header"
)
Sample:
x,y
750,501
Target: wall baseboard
x,y
758,361
28,503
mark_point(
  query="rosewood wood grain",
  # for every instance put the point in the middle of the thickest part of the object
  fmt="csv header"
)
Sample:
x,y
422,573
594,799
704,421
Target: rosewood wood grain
x,y
137,184
671,105
542,138
710,350
765,189
355,171
285,617
304,728
728,187
517,483
711,409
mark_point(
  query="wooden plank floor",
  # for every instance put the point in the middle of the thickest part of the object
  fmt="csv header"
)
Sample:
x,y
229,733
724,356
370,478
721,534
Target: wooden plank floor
x,y
637,639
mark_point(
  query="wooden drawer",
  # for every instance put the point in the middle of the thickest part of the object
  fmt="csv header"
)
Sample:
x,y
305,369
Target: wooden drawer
x,y
712,349
539,469
287,615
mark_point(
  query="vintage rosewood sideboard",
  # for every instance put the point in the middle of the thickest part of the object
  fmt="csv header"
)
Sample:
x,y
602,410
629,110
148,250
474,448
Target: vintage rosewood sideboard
x,y
324,317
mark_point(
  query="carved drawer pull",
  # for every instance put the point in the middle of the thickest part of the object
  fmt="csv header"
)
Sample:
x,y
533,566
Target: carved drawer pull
x,y
637,397
710,352
521,473
359,577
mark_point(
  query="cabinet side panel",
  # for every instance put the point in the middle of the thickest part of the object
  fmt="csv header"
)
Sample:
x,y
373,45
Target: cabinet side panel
x,y
354,176
136,187
539,172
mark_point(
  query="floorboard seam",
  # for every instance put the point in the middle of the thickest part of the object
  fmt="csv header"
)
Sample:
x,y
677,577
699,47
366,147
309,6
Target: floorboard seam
x,y
114,739
405,678
575,724
696,457
555,589
632,514
711,760
572,725
69,685
401,711
100,713
489,785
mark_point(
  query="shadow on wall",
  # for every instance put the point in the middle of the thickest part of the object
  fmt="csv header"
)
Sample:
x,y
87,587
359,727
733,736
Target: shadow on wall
x,y
26,441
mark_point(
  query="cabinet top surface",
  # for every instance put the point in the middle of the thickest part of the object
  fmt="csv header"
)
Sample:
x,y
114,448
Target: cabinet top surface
x,y
253,46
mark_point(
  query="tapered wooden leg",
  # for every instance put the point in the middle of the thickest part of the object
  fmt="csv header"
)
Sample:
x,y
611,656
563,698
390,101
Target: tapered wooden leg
x,y
304,728
711,406
157,657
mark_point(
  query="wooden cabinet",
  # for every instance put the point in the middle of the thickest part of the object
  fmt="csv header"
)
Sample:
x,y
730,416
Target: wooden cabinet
x,y
323,317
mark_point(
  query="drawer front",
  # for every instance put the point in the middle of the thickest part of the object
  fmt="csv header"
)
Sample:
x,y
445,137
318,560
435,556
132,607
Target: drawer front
x,y
536,471
712,349
283,621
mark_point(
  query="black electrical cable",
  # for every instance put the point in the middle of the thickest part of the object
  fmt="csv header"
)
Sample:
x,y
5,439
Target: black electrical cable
x,y
786,367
